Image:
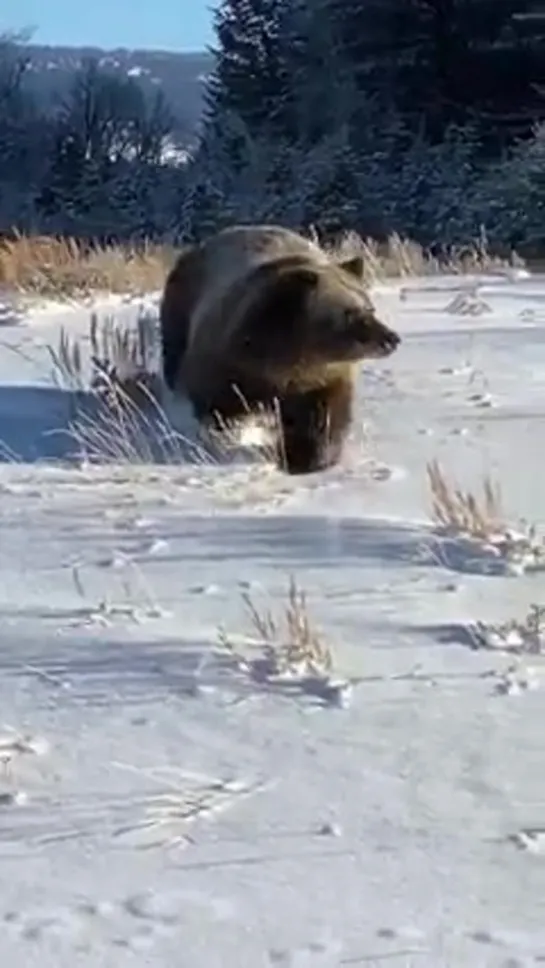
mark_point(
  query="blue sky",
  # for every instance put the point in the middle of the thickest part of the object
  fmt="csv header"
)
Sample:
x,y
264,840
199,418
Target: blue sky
x,y
163,24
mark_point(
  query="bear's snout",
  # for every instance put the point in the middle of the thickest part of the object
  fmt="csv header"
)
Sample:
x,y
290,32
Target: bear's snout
x,y
377,340
388,341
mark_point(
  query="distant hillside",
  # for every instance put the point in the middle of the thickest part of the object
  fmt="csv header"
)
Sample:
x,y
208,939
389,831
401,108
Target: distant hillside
x,y
181,75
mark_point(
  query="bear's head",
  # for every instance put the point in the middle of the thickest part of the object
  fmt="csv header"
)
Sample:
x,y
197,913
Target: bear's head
x,y
314,313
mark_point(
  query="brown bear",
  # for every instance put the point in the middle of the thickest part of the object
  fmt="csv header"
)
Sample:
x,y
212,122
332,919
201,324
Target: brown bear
x,y
260,317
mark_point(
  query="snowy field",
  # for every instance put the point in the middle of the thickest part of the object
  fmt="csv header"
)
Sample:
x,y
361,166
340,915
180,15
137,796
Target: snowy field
x,y
159,807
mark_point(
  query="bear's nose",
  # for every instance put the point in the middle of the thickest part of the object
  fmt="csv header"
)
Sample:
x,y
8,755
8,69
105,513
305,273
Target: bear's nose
x,y
390,341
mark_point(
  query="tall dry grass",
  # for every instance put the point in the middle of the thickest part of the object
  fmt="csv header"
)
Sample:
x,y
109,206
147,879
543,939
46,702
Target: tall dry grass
x,y
400,257
120,410
293,651
461,512
482,519
55,267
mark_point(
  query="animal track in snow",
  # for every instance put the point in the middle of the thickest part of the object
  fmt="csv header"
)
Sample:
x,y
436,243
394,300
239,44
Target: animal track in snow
x,y
133,922
531,840
13,746
314,954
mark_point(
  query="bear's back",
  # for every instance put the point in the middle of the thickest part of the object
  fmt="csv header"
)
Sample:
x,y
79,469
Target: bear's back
x,y
230,256
237,250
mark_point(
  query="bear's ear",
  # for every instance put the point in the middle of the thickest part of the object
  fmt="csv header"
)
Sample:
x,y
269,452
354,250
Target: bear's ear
x,y
355,266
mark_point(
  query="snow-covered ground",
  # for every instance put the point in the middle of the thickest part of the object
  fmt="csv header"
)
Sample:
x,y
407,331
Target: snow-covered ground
x,y
156,806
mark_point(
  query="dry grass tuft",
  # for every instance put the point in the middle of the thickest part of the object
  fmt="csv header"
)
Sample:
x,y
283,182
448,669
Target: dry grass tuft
x,y
482,520
293,650
460,512
524,636
394,259
258,432
120,411
56,267
298,648
123,362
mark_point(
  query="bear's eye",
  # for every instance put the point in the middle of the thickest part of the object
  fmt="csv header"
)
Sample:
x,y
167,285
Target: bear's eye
x,y
353,319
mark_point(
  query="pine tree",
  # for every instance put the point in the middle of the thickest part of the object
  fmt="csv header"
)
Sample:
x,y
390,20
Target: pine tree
x,y
448,61
250,78
23,141
323,92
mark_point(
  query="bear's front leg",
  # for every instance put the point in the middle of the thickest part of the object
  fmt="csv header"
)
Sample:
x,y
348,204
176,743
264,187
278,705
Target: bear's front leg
x,y
221,401
313,427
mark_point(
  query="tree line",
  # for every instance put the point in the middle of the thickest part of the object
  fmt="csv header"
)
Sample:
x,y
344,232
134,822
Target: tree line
x,y
421,117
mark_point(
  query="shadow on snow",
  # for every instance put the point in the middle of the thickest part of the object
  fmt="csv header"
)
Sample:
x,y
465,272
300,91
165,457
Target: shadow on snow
x,y
41,423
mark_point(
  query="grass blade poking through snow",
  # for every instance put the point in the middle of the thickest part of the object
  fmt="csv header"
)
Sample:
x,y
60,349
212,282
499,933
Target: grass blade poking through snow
x,y
460,512
294,653
119,411
118,415
482,520
521,636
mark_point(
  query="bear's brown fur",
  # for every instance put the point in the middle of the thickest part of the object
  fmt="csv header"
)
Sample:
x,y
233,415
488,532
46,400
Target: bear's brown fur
x,y
260,316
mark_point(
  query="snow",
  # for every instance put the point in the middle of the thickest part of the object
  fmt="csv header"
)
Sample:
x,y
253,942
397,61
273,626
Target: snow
x,y
159,808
